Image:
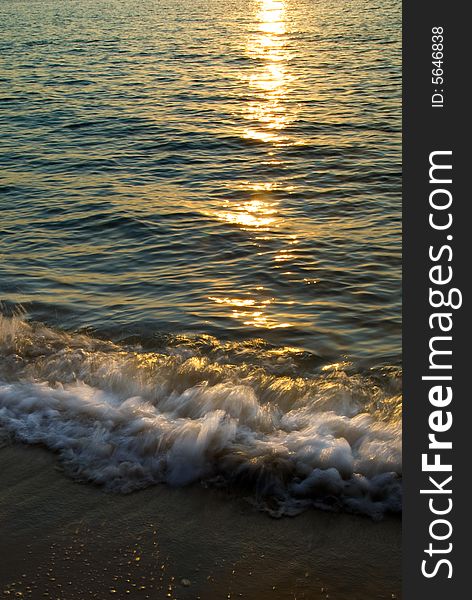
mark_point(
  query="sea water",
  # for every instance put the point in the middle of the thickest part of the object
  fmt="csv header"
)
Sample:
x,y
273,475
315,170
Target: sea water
x,y
201,245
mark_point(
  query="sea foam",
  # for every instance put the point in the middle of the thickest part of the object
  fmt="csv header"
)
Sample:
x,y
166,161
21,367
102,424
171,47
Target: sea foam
x,y
245,416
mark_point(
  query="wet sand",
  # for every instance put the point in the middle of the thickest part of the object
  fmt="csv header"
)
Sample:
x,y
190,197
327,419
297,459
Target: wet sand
x,y
69,541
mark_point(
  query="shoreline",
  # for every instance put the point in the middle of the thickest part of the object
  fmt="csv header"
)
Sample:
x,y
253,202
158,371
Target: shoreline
x,y
71,541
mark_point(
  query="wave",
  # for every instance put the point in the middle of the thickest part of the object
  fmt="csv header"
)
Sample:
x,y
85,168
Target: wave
x,y
269,422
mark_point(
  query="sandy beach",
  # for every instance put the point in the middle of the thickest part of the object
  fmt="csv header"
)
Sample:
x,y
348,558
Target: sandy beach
x,y
70,541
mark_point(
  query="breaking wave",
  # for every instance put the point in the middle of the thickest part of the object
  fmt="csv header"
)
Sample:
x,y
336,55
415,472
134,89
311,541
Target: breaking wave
x,y
270,422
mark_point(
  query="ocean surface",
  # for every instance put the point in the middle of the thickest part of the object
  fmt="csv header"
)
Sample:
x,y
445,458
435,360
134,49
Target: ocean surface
x,y
200,274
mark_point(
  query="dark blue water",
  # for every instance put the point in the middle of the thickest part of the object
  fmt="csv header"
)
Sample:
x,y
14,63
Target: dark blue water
x,y
222,167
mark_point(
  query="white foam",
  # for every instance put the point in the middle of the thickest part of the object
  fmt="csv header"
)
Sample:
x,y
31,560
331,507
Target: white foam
x,y
126,419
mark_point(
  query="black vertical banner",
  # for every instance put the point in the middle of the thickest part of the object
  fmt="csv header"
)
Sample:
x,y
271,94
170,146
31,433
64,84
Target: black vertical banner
x,y
437,440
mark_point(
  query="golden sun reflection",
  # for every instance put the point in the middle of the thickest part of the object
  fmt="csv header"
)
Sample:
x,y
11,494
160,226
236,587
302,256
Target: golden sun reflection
x,y
268,48
266,113
254,214
251,312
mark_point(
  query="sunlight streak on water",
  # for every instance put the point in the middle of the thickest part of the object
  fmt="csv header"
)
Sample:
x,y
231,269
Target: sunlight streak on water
x,y
270,76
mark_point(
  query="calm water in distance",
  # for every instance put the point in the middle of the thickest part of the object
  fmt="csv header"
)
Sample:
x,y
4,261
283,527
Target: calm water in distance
x,y
227,167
